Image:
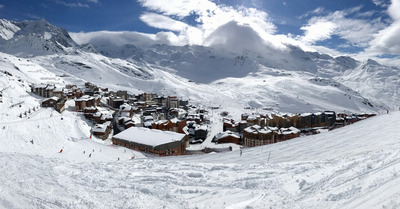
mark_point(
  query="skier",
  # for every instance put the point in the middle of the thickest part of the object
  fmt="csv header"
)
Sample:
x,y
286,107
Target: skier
x,y
61,150
90,155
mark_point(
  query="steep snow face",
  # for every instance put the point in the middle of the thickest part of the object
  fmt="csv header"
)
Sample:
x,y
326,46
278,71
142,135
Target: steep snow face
x,y
374,81
7,29
35,38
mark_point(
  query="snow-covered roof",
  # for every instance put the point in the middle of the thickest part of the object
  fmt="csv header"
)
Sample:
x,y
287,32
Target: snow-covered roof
x,y
124,114
50,87
125,107
175,120
305,114
226,134
150,137
40,85
148,118
51,98
58,89
90,108
101,127
84,98
202,127
290,130
106,115
148,123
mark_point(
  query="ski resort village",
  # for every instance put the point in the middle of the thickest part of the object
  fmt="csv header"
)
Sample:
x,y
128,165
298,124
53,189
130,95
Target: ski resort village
x,y
201,104
166,125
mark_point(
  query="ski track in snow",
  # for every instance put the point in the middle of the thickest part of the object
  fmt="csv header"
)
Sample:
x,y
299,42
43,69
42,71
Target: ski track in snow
x,y
350,180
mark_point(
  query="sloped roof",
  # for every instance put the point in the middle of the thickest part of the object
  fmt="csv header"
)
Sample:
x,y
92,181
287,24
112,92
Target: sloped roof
x,y
150,137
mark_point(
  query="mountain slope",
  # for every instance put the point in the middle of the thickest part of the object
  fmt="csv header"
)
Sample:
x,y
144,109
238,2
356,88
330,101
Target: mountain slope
x,y
33,38
374,81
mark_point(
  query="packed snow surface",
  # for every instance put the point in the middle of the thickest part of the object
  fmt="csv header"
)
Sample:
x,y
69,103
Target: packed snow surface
x,y
49,160
352,167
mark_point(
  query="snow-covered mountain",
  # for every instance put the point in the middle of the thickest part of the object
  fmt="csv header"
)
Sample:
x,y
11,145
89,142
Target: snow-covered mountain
x,y
33,38
352,167
282,79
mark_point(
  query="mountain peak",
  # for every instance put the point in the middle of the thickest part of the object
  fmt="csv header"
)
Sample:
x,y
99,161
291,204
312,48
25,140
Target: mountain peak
x,y
33,37
7,29
372,62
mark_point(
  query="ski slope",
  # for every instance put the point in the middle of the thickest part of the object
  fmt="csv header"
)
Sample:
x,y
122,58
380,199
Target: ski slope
x,y
352,167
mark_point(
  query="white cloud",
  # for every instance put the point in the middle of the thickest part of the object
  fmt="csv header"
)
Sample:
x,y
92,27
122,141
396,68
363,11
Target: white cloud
x,y
394,10
318,31
386,41
180,8
78,4
357,31
114,38
316,11
210,17
381,3
162,22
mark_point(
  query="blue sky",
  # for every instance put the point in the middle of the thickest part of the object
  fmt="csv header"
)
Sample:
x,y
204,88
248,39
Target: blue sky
x,y
358,27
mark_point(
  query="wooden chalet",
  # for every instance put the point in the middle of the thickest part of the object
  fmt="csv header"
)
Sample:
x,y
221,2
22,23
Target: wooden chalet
x,y
227,137
102,131
84,101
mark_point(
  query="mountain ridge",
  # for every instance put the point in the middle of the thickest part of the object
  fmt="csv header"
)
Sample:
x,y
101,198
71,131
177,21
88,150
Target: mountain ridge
x,y
161,68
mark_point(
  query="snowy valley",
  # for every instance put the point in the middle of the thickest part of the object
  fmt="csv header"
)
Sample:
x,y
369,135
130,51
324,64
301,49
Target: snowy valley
x,y
351,167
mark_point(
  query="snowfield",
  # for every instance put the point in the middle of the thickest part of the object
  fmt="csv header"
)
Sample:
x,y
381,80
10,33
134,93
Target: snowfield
x,y
48,160
352,167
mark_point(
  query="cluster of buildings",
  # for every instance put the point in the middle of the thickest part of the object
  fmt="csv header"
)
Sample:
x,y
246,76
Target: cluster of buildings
x,y
165,126
261,129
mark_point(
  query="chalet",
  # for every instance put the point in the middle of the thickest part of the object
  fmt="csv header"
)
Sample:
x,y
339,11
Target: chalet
x,y
148,121
126,109
257,136
177,113
194,117
54,102
43,90
115,102
227,137
106,116
50,102
288,133
174,125
58,92
60,106
89,112
161,143
97,116
200,132
102,131
230,125
84,101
